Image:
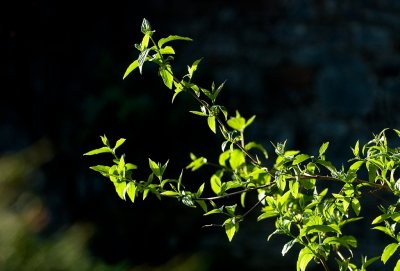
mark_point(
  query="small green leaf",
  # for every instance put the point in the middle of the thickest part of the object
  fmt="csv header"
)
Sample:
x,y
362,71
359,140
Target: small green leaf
x,y
323,148
288,246
214,211
99,150
389,251
346,241
202,204
119,143
384,230
167,75
305,256
102,169
145,27
167,50
237,158
131,68
355,204
105,141
142,58
199,113
163,41
155,168
379,219
211,123
217,91
356,149
197,163
193,68
215,182
145,42
300,158
170,193
356,165
267,214
323,228
238,123
120,189
131,191
397,267
230,228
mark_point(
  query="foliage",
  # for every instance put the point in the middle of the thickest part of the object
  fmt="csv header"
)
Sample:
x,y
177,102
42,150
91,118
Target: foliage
x,y
306,195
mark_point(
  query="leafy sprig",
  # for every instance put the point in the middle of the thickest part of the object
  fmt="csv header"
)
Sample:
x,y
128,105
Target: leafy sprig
x,y
289,187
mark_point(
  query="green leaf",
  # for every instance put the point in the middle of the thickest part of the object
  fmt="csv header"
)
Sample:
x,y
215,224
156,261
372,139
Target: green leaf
x,y
130,166
214,211
131,191
238,123
237,158
380,218
170,193
167,76
323,228
267,214
346,241
230,228
388,252
200,190
120,189
328,165
145,27
384,230
356,149
197,163
300,158
145,42
105,140
155,168
355,204
305,256
131,68
202,204
288,246
142,58
215,182
223,157
211,123
167,50
193,68
119,143
99,150
121,165
163,41
102,169
323,148
356,165
231,209
397,267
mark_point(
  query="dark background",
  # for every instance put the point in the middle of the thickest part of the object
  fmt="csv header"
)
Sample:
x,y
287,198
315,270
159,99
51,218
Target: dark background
x,y
312,71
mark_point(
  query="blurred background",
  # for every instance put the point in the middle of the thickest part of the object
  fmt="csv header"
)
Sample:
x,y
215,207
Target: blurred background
x,y
312,71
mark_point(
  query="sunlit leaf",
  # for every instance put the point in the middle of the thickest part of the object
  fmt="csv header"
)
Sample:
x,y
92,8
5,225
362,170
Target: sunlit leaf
x,y
211,123
163,41
167,76
215,183
131,68
305,256
99,150
237,158
142,58
288,246
389,251
323,148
